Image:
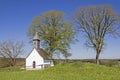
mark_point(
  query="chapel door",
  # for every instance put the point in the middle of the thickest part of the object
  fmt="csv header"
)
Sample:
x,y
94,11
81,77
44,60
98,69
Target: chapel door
x,y
34,64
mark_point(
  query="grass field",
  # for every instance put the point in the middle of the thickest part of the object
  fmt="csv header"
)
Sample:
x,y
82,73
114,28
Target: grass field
x,y
64,71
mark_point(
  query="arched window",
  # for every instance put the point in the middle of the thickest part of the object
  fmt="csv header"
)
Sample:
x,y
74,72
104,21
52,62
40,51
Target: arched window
x,y
34,64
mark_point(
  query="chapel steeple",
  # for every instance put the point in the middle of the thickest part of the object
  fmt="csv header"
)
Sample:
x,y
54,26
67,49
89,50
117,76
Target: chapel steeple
x,y
36,41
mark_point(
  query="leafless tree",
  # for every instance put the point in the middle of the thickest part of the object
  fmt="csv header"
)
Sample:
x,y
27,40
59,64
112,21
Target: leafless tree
x,y
10,51
97,22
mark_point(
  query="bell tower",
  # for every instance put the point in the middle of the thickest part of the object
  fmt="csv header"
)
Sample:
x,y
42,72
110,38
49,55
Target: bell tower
x,y
36,41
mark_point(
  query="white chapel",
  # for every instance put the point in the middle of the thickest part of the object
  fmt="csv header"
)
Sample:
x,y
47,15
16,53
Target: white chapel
x,y
37,58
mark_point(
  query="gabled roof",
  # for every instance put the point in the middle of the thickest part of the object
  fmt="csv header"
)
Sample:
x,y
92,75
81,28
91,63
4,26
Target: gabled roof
x,y
43,53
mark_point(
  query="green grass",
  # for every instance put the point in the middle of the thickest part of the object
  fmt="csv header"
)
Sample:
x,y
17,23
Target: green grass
x,y
65,71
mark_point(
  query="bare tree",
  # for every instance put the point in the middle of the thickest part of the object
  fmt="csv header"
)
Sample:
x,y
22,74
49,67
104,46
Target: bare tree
x,y
97,22
10,51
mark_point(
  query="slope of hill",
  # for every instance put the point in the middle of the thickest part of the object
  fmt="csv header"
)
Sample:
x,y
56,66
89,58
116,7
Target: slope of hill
x,y
65,71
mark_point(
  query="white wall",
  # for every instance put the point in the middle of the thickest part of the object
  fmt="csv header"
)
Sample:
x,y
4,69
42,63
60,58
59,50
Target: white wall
x,y
34,56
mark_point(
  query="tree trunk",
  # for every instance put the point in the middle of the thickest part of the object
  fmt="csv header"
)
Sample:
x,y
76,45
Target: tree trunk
x,y
14,61
51,54
66,60
97,58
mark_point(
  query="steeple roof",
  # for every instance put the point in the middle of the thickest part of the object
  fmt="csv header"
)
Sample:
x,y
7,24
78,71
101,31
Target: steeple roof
x,y
36,37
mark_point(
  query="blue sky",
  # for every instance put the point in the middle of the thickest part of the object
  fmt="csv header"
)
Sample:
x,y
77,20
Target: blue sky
x,y
16,16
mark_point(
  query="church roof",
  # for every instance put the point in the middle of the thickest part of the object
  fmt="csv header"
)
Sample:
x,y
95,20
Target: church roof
x,y
36,36
43,53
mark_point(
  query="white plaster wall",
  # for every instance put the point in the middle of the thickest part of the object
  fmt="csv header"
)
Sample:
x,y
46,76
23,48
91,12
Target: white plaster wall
x,y
34,56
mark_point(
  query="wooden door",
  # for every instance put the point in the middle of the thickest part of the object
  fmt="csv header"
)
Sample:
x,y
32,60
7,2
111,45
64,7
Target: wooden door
x,y
34,64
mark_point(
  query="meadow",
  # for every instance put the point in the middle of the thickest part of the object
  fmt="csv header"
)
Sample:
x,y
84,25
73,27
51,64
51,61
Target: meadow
x,y
64,71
